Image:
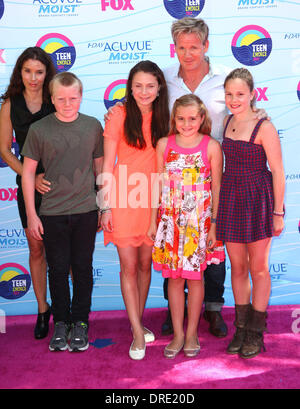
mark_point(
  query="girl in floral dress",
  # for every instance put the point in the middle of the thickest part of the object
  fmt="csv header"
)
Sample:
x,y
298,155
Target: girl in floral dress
x,y
190,162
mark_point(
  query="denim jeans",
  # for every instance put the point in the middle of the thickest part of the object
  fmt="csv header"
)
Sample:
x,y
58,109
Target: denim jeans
x,y
214,278
69,243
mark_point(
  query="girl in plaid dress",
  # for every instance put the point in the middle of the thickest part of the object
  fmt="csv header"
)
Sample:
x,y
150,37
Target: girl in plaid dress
x,y
250,210
190,162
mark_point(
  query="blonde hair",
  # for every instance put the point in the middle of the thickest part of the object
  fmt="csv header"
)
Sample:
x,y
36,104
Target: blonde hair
x,y
66,79
244,75
188,25
189,100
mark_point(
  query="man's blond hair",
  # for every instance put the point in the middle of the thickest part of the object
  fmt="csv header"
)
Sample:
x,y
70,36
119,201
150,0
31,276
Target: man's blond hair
x,y
188,25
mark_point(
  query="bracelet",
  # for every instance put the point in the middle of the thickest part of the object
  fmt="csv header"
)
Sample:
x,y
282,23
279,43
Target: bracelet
x,y
278,213
105,209
213,220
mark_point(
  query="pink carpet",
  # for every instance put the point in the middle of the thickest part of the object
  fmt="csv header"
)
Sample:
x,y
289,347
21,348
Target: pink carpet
x,y
28,364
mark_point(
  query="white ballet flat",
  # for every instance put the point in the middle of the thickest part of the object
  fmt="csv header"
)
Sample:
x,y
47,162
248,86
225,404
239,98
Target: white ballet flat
x,y
137,354
149,336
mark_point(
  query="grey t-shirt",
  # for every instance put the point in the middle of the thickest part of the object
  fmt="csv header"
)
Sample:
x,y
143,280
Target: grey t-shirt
x,y
66,150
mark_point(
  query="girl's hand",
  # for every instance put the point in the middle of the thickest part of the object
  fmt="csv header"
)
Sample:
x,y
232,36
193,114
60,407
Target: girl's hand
x,y
106,221
278,225
35,227
42,185
211,237
152,231
99,227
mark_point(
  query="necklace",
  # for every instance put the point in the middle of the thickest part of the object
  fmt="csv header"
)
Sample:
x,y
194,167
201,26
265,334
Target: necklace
x,y
241,124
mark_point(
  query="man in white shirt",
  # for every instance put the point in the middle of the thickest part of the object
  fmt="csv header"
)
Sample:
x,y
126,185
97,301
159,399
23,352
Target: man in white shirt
x,y
210,90
194,74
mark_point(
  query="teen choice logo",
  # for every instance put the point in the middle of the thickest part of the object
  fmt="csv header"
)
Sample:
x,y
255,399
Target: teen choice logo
x,y
1,8
184,8
61,50
15,281
114,93
298,90
251,45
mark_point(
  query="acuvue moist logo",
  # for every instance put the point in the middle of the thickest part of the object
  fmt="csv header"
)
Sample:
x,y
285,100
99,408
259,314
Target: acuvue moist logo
x,y
251,45
246,4
61,50
124,52
12,238
57,8
1,8
114,93
15,281
184,8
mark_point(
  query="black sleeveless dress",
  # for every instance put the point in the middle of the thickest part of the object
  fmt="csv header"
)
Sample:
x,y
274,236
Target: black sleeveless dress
x,y
21,119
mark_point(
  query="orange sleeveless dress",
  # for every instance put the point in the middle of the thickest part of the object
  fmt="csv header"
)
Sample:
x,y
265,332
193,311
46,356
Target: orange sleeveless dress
x,y
131,193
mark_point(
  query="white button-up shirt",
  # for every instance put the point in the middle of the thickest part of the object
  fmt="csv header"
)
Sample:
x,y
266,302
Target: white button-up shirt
x,y
210,91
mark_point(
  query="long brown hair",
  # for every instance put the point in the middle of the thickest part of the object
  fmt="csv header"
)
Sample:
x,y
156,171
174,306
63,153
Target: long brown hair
x,y
16,85
160,110
188,100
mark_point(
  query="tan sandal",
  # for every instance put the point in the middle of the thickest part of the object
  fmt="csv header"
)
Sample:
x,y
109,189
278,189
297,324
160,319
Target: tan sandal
x,y
192,352
171,353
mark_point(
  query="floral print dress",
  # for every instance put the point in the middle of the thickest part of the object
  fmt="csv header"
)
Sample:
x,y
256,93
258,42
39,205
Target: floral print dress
x,y
184,215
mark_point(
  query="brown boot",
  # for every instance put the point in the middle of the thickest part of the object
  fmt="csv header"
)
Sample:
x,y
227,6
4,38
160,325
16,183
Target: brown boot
x,y
254,339
241,318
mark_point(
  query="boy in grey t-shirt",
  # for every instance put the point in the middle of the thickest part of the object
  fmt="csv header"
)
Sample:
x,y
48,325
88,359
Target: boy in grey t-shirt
x,y
70,147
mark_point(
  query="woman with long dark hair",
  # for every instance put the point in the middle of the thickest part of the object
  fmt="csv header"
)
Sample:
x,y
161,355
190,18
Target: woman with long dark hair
x,y
131,135
25,101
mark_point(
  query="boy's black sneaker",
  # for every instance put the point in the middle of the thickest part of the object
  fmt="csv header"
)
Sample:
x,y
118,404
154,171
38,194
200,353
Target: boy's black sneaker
x,y
79,337
59,340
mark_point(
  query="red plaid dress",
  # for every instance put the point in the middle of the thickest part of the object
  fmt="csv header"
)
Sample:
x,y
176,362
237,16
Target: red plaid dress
x,y
245,210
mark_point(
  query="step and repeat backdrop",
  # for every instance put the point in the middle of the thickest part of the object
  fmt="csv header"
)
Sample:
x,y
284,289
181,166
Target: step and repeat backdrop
x,y
100,41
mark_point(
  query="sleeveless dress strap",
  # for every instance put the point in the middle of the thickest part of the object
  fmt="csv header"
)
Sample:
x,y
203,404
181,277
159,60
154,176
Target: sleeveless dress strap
x,y
204,144
255,130
228,120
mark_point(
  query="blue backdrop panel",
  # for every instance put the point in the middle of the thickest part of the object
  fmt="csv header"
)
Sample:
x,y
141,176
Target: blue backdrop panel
x,y
100,41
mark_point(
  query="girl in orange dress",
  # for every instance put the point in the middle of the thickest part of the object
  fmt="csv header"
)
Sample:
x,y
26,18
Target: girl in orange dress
x,y
130,136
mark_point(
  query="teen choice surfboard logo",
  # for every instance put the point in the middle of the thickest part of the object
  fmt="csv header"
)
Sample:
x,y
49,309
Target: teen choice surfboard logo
x,y
114,93
15,281
60,48
184,8
298,90
251,45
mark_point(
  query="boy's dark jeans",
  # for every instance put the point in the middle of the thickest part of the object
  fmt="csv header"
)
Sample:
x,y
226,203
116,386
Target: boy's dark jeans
x,y
69,243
